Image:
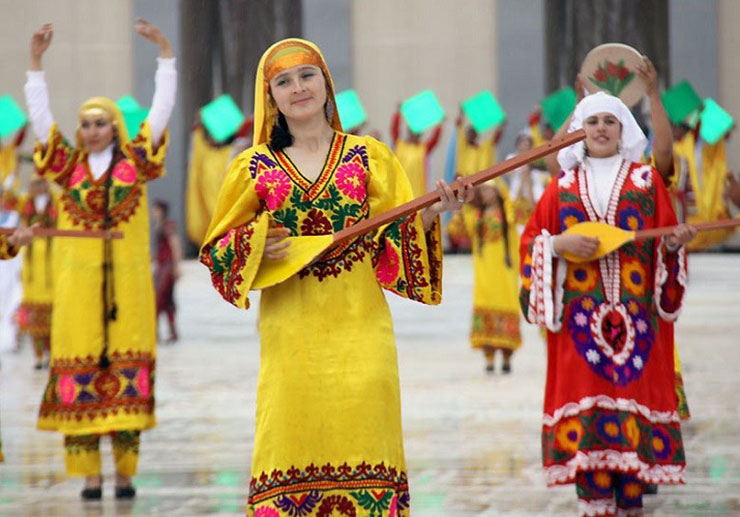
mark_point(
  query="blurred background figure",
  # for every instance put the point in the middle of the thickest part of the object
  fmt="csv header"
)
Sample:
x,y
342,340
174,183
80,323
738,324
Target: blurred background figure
x,y
167,258
34,315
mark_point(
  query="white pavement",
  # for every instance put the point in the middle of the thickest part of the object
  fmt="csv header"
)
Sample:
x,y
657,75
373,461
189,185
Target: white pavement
x,y
472,440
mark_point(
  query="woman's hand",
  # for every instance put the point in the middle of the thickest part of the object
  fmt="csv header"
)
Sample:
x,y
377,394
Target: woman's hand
x,y
22,236
151,32
447,201
646,71
276,245
682,234
40,41
578,245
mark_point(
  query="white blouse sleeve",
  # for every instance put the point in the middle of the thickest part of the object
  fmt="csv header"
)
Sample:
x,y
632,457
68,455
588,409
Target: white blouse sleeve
x,y
37,102
165,89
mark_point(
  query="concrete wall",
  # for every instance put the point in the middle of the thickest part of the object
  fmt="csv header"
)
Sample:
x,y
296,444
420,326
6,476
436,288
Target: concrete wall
x,y
328,24
91,53
165,14
520,28
401,48
693,44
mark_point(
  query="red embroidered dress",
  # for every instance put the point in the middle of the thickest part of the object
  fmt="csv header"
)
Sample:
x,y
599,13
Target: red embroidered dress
x,y
609,398
328,439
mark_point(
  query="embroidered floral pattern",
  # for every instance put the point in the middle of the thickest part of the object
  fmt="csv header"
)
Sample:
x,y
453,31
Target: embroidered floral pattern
x,y
642,177
609,340
364,490
583,277
78,388
621,434
227,259
495,328
273,187
351,180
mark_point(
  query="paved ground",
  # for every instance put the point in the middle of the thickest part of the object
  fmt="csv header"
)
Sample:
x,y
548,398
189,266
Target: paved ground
x,y
472,441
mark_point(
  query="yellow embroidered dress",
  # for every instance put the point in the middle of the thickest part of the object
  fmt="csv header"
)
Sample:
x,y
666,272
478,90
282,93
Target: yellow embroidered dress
x,y
206,171
82,397
469,159
328,438
495,284
34,315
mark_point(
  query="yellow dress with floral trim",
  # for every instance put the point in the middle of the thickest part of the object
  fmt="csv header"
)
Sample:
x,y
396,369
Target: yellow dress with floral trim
x,y
206,172
82,397
34,314
469,160
496,319
328,438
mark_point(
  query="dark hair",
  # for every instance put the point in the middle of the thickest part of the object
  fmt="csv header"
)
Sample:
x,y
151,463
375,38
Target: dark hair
x,y
162,205
280,137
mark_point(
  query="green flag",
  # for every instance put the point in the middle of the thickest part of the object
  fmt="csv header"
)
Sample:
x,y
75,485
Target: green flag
x,y
133,114
222,118
715,122
483,111
12,117
680,102
557,107
351,112
422,111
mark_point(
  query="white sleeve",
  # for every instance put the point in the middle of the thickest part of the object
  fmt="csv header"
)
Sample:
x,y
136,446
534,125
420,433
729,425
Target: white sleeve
x,y
37,102
165,88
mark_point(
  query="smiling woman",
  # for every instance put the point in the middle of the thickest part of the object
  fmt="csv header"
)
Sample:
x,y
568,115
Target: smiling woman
x,y
328,437
102,365
609,320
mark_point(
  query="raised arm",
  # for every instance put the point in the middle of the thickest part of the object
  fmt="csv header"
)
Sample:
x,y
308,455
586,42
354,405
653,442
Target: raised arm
x,y
662,133
165,79
37,95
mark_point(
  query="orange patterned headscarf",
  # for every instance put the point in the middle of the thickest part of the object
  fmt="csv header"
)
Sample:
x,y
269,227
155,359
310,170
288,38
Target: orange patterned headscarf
x,y
279,57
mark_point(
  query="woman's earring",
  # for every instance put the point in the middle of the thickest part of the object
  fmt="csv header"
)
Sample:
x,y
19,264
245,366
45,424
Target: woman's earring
x,y
329,110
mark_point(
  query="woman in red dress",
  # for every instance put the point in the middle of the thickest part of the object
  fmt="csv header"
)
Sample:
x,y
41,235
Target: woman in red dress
x,y
610,423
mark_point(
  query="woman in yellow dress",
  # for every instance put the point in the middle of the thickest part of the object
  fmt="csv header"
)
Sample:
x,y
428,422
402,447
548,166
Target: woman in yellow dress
x,y
414,153
489,222
9,246
34,314
101,378
470,156
328,438
207,168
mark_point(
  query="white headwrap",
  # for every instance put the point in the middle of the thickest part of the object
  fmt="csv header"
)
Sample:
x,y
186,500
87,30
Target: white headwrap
x,y
632,143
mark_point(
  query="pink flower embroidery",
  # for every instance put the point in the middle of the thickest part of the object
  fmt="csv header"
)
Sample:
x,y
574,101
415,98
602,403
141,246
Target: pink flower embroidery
x,y
77,175
266,511
125,172
351,180
393,510
66,389
142,382
387,268
273,186
226,239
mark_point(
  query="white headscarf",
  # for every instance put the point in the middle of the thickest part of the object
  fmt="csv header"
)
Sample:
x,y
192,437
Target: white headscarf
x,y
632,143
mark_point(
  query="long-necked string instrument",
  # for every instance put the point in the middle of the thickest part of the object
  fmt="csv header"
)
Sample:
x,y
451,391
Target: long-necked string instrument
x,y
51,232
612,238
303,250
